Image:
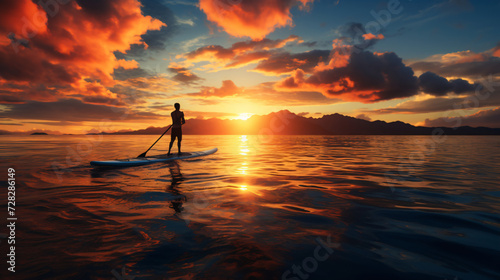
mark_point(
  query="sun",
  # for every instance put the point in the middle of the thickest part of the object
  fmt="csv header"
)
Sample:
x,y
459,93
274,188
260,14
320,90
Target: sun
x,y
243,116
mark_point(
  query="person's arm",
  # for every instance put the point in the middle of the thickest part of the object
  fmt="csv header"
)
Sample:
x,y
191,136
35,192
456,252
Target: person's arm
x,y
172,116
183,121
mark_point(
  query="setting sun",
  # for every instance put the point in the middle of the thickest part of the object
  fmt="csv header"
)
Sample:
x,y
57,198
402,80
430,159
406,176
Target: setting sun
x,y
244,116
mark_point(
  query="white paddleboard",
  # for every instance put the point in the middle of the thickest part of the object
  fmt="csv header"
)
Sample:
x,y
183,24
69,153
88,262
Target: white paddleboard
x,y
151,159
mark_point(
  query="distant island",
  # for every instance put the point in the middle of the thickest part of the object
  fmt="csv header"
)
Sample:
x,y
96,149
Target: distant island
x,y
38,133
286,123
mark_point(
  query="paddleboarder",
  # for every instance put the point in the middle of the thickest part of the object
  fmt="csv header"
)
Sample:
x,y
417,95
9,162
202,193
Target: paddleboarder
x,y
177,122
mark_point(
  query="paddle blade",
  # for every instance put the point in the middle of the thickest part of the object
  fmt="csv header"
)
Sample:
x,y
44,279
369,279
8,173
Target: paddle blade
x,y
142,155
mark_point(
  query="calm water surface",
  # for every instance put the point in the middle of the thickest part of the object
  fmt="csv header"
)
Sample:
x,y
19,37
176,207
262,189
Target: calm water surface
x,y
293,207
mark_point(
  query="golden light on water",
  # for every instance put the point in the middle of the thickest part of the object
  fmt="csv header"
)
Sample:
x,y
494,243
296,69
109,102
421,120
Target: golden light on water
x,y
244,145
243,168
244,149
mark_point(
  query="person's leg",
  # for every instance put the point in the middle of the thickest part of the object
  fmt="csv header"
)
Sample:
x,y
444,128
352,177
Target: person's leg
x,y
172,139
170,147
179,140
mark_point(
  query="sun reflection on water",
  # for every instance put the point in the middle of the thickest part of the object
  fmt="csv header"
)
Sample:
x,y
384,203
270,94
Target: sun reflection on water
x,y
244,145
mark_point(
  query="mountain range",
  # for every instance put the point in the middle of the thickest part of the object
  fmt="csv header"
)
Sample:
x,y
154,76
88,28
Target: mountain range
x,y
286,123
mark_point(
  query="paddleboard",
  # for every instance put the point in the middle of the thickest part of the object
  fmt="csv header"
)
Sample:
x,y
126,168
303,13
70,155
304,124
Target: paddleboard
x,y
151,159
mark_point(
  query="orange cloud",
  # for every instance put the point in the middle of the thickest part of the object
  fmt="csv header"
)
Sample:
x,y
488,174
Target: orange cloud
x,y
370,36
254,19
71,50
496,51
22,17
127,64
228,88
239,54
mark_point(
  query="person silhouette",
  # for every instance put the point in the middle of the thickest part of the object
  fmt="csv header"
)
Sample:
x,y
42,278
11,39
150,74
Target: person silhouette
x,y
177,122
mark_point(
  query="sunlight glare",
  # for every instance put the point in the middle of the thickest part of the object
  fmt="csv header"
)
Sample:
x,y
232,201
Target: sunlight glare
x,y
244,116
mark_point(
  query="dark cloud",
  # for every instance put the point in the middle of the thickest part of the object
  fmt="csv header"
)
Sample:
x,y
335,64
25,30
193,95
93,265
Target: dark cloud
x,y
10,99
183,75
308,44
99,10
162,106
103,100
286,62
31,67
485,118
386,74
462,64
441,104
367,77
460,86
436,85
438,104
55,123
461,69
122,74
72,110
13,124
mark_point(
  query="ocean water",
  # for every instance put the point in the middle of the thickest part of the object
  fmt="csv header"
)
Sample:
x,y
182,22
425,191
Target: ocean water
x,y
282,207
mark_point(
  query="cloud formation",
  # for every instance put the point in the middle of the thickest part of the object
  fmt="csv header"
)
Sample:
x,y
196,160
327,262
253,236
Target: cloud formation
x,y
285,62
239,54
73,110
69,45
183,75
484,118
254,19
442,104
228,88
364,77
353,73
156,39
434,84
462,64
354,34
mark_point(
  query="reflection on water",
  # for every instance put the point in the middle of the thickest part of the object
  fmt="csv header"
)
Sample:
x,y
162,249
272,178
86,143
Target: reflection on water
x,y
176,180
391,208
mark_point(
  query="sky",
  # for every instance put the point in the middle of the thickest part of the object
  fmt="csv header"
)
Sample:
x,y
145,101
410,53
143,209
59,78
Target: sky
x,y
75,66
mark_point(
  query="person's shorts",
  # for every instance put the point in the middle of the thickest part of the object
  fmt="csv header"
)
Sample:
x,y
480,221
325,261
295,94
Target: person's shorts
x,y
176,132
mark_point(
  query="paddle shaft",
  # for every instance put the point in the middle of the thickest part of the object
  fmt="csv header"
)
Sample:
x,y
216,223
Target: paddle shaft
x,y
144,154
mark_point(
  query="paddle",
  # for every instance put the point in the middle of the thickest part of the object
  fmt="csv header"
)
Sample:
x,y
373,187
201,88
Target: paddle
x,y
144,154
